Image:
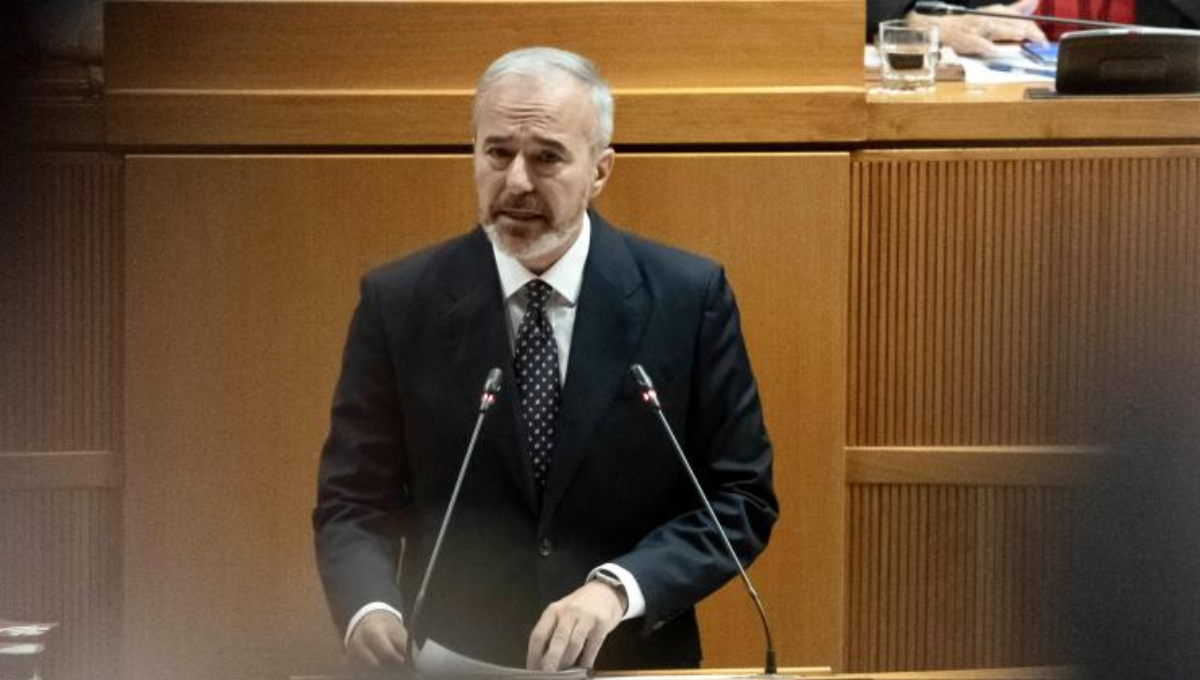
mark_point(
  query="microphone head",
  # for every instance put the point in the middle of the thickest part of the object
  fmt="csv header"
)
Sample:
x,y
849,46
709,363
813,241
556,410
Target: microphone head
x,y
492,384
491,387
641,377
937,8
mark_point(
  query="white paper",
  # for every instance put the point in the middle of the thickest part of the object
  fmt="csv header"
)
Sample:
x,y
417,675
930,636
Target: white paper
x,y
435,661
11,629
21,649
1010,53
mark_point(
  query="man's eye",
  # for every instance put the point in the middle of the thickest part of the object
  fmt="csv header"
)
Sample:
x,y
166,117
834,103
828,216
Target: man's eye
x,y
549,157
499,153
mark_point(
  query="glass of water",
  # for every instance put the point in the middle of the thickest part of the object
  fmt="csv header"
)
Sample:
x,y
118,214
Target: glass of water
x,y
908,53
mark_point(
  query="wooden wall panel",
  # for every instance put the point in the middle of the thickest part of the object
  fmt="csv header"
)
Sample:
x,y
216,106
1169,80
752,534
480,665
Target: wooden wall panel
x,y
779,227
60,400
757,115
402,73
60,560
956,576
242,274
997,299
60,299
962,111
988,289
438,45
976,465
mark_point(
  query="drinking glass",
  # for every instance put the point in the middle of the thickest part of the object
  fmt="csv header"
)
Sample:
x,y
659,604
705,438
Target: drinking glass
x,y
908,54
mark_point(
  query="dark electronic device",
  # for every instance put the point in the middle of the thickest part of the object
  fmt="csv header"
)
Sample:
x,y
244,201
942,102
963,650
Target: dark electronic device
x,y
1129,61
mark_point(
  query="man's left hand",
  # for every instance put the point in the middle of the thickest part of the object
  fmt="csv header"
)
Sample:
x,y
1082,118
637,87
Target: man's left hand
x,y
571,630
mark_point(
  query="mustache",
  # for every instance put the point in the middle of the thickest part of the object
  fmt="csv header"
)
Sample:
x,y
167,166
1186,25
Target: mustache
x,y
521,202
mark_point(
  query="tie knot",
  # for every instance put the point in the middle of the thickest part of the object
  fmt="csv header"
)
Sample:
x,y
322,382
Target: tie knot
x,y
537,292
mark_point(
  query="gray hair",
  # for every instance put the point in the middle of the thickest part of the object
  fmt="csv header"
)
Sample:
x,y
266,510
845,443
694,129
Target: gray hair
x,y
539,61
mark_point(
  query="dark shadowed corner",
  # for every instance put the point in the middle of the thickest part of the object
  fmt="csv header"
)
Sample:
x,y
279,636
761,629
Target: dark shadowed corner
x,y
1135,598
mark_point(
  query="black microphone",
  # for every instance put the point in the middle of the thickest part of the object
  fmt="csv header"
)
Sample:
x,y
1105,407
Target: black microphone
x,y
491,387
650,396
935,8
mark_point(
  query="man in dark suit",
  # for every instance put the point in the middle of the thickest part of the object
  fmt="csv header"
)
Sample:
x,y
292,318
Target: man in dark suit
x,y
975,35
575,515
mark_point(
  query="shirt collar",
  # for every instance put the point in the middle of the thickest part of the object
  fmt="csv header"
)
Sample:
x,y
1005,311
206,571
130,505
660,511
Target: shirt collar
x,y
565,276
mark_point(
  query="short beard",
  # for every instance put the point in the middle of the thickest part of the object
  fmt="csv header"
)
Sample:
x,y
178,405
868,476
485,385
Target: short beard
x,y
532,252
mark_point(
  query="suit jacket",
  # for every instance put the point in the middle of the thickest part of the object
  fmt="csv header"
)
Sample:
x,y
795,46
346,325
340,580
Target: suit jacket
x,y
422,339
1163,13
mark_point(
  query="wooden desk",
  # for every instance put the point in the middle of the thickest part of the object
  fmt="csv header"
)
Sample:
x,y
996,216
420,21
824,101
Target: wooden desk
x,y
1001,113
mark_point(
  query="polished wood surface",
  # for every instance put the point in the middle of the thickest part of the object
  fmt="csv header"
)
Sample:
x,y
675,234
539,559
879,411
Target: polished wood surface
x,y
438,44
380,117
1009,673
1003,113
395,73
401,72
795,113
241,277
242,273
975,465
777,224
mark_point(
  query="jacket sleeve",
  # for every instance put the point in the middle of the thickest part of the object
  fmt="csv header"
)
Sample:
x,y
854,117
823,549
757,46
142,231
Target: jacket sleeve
x,y
684,560
1169,13
885,10
360,494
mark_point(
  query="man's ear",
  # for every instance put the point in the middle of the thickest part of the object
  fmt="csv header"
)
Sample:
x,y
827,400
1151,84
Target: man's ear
x,y
602,170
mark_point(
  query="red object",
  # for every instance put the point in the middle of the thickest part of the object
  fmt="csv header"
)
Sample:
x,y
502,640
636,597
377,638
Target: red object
x,y
1120,11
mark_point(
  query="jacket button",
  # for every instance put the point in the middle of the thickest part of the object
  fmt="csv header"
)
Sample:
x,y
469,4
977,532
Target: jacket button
x,y
545,547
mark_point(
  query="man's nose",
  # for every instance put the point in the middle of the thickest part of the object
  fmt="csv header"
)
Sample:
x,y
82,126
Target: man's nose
x,y
518,181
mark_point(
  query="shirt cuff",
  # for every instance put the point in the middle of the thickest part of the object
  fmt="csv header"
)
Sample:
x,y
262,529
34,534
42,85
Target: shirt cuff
x,y
636,601
367,609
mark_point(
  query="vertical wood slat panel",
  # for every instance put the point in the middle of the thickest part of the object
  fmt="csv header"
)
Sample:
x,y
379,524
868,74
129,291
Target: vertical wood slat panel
x,y
973,583
60,390
988,297
992,295
60,563
60,297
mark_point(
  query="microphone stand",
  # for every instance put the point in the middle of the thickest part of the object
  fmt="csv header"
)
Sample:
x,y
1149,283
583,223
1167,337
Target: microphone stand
x,y
650,396
947,9
491,387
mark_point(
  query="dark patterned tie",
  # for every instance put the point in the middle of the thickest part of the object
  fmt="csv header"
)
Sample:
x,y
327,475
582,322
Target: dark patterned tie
x,y
536,365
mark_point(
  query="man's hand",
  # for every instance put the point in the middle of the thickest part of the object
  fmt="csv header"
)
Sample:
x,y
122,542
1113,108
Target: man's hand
x,y
571,630
975,35
378,642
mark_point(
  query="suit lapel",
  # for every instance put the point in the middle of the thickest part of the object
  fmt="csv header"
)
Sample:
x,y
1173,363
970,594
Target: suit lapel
x,y
473,329
609,322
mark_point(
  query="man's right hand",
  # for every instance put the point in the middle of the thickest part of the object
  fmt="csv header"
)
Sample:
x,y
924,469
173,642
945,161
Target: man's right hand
x,y
378,642
974,35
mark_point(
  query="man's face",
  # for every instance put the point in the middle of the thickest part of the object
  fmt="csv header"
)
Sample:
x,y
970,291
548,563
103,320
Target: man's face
x,y
535,169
